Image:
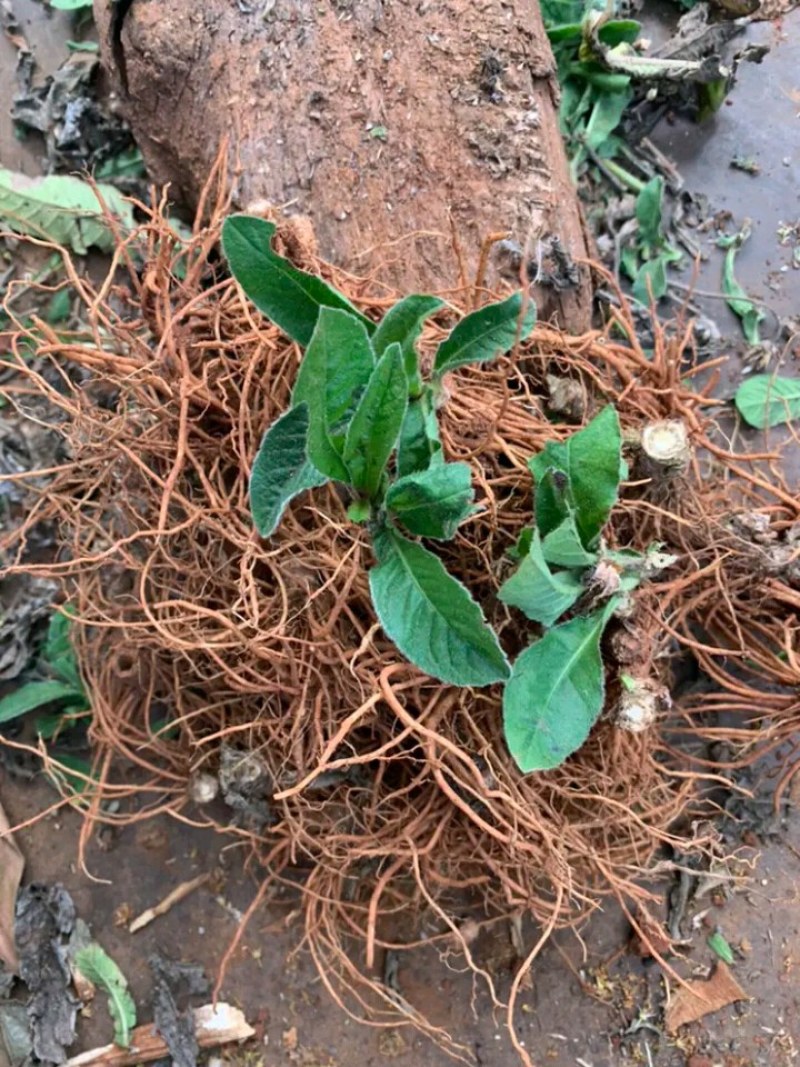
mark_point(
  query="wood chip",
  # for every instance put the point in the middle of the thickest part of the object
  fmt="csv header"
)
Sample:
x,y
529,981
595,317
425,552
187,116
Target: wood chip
x,y
214,1026
12,865
698,998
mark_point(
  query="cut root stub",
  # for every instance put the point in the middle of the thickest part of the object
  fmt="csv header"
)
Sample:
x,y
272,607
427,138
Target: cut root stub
x,y
665,447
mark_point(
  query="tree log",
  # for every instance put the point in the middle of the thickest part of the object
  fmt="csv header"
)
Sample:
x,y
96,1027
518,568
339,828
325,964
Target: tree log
x,y
392,124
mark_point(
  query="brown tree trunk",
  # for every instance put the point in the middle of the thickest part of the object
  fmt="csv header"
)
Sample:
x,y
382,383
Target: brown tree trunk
x,y
379,119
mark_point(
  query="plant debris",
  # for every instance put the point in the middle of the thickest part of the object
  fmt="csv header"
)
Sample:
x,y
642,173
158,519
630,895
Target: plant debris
x,y
173,981
45,919
80,133
12,865
215,1025
702,997
27,602
15,1037
246,785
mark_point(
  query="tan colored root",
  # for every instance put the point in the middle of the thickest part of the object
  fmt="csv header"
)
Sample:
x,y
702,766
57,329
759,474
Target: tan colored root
x,y
273,647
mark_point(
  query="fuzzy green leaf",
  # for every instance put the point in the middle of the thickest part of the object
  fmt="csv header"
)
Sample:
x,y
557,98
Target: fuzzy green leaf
x,y
485,334
765,400
62,209
555,693
403,324
562,546
591,460
419,446
431,617
70,5
536,591
290,297
376,423
333,375
36,694
432,503
282,469
96,965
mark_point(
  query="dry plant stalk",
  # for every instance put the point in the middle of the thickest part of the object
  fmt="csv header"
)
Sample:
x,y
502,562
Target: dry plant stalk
x,y
273,648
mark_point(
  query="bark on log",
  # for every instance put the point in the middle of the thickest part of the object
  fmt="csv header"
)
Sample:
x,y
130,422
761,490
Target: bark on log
x,y
377,118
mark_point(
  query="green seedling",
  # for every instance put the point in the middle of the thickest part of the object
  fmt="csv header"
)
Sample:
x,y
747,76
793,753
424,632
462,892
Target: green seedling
x,y
362,415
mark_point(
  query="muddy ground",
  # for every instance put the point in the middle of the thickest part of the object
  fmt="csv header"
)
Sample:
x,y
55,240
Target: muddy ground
x,y
591,1003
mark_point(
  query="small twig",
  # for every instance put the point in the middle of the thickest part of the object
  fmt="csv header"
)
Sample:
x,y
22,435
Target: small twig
x,y
169,901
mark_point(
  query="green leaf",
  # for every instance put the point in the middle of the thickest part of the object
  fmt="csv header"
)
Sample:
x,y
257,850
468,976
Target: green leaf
x,y
551,500
651,281
718,944
619,31
281,469
518,551
359,511
485,334
35,695
62,209
375,426
748,313
431,617
290,297
48,727
68,774
606,116
649,210
419,446
70,5
536,591
59,306
555,693
765,400
563,547
83,46
591,460
126,164
335,370
96,965
432,503
58,652
629,261
403,324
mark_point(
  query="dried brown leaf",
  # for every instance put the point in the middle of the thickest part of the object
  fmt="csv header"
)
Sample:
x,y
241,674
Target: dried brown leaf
x,y
12,865
698,998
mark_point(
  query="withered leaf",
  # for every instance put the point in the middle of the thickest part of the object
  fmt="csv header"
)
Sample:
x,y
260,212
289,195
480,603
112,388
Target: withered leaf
x,y
698,998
